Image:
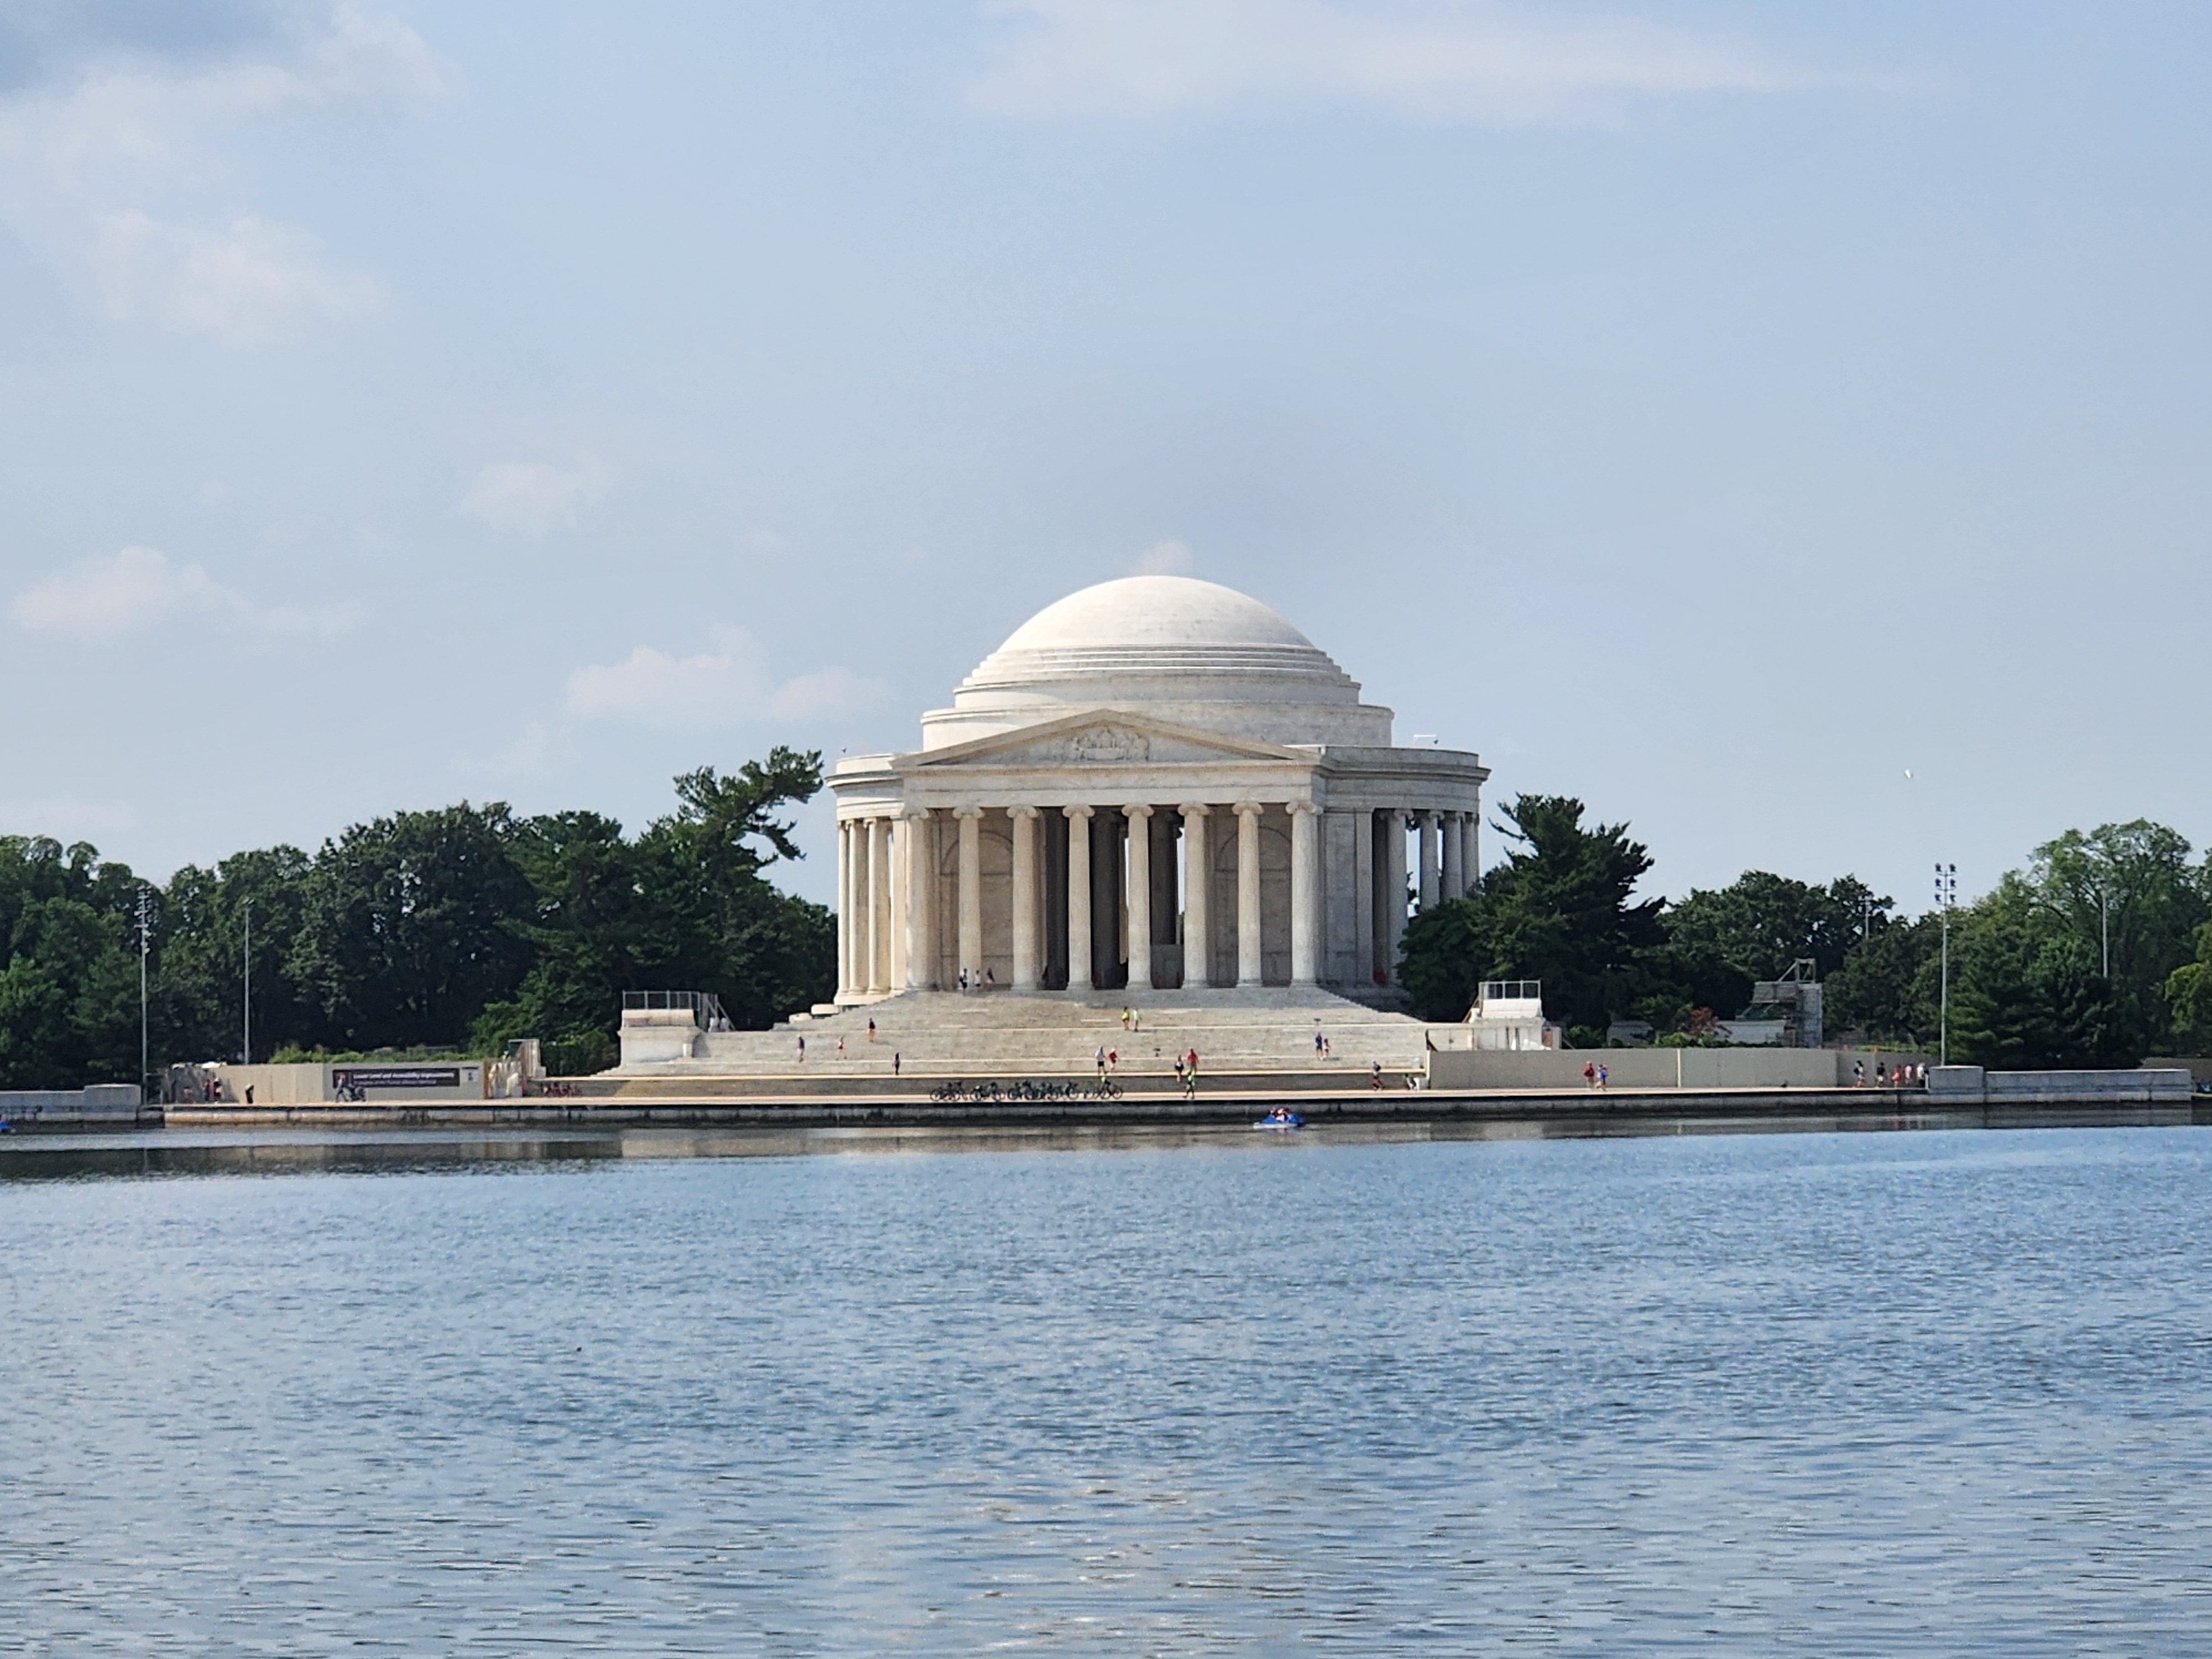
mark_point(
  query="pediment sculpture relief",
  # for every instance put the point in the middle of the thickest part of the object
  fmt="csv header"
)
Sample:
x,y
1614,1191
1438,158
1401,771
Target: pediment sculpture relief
x,y
1109,744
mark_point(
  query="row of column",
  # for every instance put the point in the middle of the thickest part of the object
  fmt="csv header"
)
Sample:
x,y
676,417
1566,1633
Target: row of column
x,y
887,923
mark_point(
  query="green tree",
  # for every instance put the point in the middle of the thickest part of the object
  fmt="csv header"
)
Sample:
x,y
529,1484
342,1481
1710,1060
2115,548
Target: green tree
x,y
2026,993
2189,999
1761,923
2136,878
69,988
409,924
1561,909
201,933
1886,989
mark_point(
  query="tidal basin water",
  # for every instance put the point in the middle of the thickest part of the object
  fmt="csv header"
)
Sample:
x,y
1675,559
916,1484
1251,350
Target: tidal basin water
x,y
1879,1395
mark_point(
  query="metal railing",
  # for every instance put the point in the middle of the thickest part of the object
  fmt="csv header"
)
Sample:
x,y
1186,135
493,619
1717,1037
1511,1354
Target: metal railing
x,y
706,1008
1512,990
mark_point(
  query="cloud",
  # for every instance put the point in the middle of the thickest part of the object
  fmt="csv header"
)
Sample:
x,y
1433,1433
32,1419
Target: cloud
x,y
248,283
114,164
1492,64
1168,558
531,498
729,685
119,596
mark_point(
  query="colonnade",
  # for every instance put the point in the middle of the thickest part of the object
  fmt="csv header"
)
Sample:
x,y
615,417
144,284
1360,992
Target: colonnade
x,y
888,925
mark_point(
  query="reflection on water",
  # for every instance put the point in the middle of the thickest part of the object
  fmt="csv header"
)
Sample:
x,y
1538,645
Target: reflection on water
x,y
1396,1390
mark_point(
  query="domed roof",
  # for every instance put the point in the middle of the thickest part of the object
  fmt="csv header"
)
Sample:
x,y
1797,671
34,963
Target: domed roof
x,y
1151,611
1193,652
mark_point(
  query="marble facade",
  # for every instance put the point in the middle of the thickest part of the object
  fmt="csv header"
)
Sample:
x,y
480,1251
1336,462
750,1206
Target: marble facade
x,y
1156,783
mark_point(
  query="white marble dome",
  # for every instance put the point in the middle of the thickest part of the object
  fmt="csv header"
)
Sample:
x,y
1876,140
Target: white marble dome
x,y
1191,652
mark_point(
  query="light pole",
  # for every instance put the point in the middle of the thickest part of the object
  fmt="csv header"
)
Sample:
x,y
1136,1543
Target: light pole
x,y
2104,928
245,953
1946,894
145,931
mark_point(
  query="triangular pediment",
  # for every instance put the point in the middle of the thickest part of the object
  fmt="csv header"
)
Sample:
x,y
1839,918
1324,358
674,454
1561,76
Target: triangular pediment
x,y
1100,737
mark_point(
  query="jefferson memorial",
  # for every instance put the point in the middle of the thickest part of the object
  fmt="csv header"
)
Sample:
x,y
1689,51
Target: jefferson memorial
x,y
1156,783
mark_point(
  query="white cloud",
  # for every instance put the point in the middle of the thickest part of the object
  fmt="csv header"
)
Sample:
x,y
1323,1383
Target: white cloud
x,y
531,498
248,283
1168,558
729,685
119,177
1480,61
118,596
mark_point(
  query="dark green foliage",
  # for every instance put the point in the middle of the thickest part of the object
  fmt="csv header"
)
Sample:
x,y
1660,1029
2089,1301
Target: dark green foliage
x,y
459,926
2027,996
1561,909
1885,990
2189,999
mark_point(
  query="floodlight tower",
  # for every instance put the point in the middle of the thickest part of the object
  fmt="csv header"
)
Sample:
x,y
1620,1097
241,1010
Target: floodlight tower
x,y
1946,895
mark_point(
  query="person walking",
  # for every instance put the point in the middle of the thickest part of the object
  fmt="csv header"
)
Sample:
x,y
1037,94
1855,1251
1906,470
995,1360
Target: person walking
x,y
1858,1075
871,1028
1589,1074
802,1051
1375,1074
1102,1062
1113,1061
1125,1017
1602,1076
895,1062
840,1048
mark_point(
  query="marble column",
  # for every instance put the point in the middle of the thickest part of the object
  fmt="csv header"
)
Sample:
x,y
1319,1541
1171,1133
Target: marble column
x,y
1197,899
1027,964
1363,889
1393,891
1248,892
1305,894
971,890
1429,885
1455,851
1471,858
880,908
920,942
1138,899
844,906
1078,899
894,837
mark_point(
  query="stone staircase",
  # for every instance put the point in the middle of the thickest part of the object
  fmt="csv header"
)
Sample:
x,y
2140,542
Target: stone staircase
x,y
1052,1035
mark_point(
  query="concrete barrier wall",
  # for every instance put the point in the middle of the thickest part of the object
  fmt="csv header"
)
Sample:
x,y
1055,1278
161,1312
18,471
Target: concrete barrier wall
x,y
93,1097
1972,1084
1656,1068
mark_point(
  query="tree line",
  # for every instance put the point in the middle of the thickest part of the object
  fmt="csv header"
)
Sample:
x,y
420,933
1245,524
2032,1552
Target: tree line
x,y
462,927
454,929
2029,982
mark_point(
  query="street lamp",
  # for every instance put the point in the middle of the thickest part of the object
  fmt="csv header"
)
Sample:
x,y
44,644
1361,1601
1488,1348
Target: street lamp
x,y
246,952
1946,895
145,931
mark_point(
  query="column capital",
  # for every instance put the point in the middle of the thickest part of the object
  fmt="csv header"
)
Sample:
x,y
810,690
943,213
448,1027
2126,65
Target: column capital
x,y
914,814
1247,809
1021,811
1194,809
967,811
1073,814
1430,817
1137,810
1299,806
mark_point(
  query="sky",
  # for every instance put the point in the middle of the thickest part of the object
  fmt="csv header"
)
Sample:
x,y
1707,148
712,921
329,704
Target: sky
x,y
1783,428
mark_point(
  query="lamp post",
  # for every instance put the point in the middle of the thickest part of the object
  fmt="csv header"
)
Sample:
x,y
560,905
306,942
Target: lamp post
x,y
145,931
1946,894
2104,928
245,955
